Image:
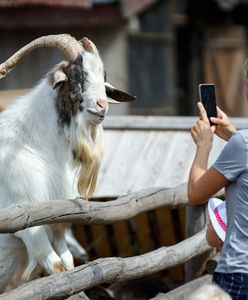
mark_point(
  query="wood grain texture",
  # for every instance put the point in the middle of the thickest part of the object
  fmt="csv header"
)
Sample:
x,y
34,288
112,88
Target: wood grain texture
x,y
111,269
20,216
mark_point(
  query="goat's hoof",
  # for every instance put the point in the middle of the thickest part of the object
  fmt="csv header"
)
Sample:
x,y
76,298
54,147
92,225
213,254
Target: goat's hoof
x,y
58,267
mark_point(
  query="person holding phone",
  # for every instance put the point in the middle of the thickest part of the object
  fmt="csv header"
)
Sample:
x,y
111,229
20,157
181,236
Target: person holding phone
x,y
230,171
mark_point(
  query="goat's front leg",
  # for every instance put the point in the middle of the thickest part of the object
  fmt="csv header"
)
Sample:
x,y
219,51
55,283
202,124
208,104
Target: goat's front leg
x,y
60,246
39,247
12,255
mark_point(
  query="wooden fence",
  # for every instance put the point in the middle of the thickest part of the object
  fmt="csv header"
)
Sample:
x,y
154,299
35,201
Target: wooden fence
x,y
108,269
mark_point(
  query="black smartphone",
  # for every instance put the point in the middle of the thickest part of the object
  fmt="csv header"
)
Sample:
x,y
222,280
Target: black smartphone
x,y
208,99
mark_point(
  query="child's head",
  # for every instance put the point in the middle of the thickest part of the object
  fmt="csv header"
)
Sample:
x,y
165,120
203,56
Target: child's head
x,y
216,230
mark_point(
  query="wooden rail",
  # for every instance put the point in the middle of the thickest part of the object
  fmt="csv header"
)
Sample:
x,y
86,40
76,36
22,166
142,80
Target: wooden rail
x,y
21,216
108,269
60,285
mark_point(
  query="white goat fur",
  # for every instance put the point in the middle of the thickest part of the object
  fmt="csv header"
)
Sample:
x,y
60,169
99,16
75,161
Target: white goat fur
x,y
36,163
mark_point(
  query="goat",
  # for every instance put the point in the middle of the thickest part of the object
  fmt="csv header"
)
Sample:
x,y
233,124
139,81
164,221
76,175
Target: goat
x,y
51,146
12,248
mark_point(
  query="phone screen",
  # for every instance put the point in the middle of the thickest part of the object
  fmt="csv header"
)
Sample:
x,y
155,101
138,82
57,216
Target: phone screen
x,y
208,99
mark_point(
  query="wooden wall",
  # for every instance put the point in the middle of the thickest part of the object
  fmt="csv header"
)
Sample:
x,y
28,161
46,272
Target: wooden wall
x,y
146,232
225,53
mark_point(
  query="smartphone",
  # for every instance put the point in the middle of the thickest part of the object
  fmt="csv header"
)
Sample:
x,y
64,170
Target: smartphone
x,y
208,99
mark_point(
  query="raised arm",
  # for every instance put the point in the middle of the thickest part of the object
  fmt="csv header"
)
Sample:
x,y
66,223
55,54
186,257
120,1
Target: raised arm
x,y
203,182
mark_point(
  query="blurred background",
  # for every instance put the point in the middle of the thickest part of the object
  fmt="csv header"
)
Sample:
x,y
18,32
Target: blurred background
x,y
158,50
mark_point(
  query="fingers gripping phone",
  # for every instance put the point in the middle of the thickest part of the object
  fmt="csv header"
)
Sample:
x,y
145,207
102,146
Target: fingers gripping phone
x,y
208,99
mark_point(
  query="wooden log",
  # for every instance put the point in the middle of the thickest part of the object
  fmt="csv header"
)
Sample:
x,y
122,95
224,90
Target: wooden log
x,y
21,216
24,215
65,284
184,290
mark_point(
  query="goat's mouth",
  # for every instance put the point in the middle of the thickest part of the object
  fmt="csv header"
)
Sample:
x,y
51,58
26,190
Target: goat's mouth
x,y
95,115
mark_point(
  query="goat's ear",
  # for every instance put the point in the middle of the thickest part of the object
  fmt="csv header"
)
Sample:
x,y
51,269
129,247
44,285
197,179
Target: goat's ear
x,y
58,78
117,96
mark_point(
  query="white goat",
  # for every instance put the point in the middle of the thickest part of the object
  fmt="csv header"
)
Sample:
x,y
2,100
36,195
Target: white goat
x,y
48,138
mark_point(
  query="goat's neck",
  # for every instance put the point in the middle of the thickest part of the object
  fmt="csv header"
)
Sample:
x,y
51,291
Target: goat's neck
x,y
32,121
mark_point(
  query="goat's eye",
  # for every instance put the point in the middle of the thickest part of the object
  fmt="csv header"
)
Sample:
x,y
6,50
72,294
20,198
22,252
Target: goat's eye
x,y
105,76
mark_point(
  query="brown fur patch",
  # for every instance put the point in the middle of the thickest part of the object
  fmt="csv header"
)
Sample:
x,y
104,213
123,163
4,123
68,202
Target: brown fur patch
x,y
69,100
58,267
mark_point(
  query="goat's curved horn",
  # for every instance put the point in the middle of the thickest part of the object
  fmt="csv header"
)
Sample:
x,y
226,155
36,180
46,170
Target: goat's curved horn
x,y
65,43
88,45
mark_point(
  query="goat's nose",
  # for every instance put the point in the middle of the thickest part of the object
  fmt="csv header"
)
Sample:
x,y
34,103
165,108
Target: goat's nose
x,y
102,104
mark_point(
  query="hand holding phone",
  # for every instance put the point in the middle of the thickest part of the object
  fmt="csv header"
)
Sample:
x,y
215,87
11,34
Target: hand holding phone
x,y
208,99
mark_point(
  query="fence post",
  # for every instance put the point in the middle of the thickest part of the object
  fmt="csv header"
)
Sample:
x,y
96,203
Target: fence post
x,y
195,222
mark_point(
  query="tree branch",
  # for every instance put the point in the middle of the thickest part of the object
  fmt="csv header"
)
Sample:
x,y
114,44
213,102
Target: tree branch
x,y
64,284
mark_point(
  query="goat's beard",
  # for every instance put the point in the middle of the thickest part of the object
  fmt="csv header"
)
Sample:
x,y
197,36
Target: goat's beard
x,y
87,148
